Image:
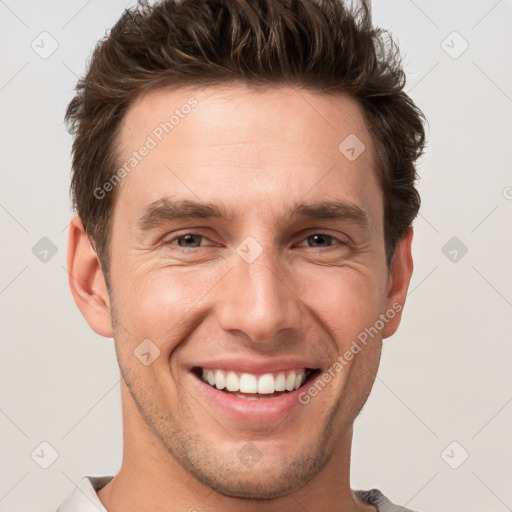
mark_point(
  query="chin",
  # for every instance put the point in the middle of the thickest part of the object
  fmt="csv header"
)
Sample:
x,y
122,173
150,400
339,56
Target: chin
x,y
265,482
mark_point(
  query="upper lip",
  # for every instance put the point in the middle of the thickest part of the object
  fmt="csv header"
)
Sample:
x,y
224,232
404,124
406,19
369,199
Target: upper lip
x,y
254,365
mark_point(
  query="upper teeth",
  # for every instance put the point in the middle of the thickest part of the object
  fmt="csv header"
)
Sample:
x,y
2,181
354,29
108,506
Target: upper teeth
x,y
248,383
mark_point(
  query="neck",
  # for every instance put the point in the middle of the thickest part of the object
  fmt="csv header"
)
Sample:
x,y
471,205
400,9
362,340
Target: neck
x,y
151,479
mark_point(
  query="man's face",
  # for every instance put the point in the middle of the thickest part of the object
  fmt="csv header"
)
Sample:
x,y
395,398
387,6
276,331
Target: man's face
x,y
273,287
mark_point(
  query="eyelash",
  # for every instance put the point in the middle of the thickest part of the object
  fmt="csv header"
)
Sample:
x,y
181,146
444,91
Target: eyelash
x,y
185,249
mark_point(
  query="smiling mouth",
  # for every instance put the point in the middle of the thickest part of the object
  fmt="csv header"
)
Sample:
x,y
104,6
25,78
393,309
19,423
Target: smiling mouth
x,y
255,387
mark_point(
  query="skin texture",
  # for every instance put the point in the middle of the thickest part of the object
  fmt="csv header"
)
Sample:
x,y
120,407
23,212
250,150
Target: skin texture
x,y
255,154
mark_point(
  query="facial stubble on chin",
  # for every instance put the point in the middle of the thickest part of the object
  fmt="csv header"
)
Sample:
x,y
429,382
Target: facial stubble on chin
x,y
222,471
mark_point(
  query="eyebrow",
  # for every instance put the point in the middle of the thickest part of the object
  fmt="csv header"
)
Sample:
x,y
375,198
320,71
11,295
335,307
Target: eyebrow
x,y
166,210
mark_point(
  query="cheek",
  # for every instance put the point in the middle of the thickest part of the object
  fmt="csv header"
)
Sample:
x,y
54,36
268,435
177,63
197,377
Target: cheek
x,y
165,304
347,300
161,304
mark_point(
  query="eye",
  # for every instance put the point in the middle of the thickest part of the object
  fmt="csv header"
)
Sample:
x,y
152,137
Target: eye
x,y
322,240
194,240
187,241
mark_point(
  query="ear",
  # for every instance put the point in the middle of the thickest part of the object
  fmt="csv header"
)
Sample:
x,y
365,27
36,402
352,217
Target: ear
x,y
87,282
398,282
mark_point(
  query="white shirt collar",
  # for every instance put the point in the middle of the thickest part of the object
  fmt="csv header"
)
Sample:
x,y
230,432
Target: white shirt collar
x,y
85,498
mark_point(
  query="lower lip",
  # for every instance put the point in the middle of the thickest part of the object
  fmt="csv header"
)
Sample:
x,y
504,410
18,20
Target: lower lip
x,y
260,410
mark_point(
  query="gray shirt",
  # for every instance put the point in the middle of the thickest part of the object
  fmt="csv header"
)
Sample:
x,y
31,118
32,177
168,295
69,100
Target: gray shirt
x,y
85,499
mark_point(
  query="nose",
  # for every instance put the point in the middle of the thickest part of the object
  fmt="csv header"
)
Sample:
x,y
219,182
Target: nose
x,y
258,300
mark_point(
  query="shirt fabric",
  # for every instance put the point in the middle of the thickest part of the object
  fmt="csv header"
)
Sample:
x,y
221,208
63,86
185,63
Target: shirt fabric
x,y
85,499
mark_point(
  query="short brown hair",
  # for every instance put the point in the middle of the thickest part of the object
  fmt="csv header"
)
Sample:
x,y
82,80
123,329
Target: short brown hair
x,y
319,45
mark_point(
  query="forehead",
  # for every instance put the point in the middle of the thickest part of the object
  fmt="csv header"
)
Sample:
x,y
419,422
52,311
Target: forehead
x,y
240,146
235,112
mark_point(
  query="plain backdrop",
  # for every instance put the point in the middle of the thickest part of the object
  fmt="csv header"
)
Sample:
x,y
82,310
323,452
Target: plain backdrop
x,y
435,433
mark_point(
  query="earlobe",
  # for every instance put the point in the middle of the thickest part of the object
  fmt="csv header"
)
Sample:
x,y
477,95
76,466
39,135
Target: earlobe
x,y
400,273
87,281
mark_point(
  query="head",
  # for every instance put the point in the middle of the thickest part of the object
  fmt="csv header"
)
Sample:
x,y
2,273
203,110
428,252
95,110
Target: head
x,y
244,182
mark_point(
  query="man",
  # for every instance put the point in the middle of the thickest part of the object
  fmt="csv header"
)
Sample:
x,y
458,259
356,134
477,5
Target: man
x,y
243,177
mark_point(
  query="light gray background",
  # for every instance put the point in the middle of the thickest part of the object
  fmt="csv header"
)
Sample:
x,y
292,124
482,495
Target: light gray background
x,y
445,376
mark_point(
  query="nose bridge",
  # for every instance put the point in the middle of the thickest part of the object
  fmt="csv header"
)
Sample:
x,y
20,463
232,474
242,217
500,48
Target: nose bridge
x,y
256,298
